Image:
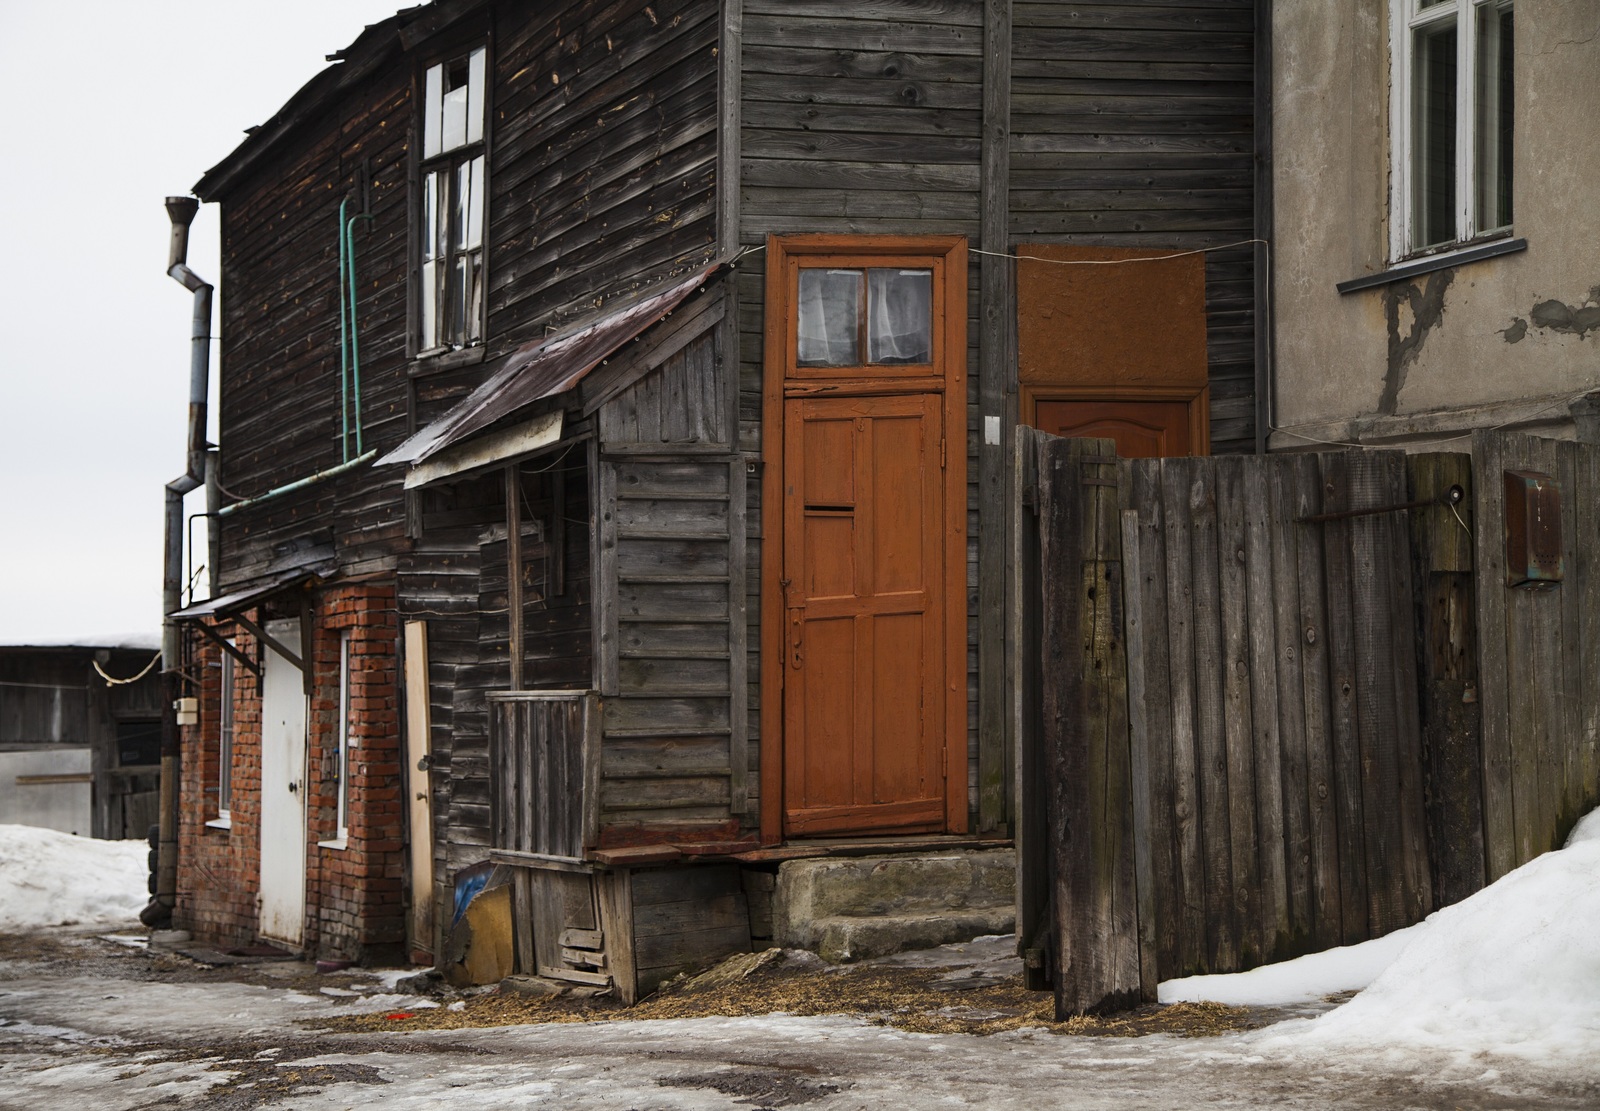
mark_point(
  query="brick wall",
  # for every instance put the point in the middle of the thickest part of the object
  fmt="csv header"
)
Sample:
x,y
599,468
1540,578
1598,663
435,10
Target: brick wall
x,y
355,882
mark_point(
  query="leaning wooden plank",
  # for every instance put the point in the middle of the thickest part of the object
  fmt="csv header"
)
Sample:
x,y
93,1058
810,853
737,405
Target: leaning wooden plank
x,y
1187,923
614,896
1262,607
1541,746
1345,747
1029,779
1085,976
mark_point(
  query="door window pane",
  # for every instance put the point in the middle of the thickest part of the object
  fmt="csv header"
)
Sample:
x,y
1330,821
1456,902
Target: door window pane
x,y
899,316
830,318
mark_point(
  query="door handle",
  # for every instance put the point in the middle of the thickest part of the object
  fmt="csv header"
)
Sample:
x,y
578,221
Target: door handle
x,y
294,786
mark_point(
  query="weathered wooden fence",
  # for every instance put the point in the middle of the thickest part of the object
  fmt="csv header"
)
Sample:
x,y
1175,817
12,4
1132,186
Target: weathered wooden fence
x,y
1261,682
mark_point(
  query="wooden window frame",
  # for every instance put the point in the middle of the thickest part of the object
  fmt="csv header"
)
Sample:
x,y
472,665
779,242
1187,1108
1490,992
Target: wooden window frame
x,y
782,379
1406,18
446,356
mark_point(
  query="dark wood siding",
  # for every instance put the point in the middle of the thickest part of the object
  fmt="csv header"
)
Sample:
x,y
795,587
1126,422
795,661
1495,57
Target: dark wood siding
x,y
456,581
1132,125
280,400
602,174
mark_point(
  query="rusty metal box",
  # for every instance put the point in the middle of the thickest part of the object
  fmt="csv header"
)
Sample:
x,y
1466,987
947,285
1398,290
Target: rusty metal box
x,y
1533,529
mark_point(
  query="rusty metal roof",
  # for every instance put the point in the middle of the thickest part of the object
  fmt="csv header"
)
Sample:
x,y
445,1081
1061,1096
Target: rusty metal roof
x,y
542,369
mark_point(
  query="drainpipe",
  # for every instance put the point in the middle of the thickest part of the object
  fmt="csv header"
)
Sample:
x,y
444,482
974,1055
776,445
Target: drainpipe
x,y
181,211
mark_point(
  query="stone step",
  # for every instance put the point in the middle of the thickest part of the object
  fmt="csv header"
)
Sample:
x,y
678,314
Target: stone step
x,y
851,908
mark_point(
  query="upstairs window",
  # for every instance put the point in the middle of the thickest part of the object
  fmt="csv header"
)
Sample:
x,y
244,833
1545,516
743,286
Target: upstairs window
x,y
450,303
1452,95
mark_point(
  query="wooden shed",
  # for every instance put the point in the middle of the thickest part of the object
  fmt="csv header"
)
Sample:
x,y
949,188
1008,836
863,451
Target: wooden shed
x,y
690,337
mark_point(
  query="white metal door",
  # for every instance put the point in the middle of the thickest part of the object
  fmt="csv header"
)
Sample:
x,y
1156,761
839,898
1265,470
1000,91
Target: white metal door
x,y
283,773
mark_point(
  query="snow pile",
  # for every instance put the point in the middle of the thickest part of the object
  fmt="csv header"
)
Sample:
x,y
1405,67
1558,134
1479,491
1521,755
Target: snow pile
x,y
56,879
1302,980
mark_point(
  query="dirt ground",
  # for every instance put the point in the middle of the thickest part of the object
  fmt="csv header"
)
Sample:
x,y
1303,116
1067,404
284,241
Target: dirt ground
x,y
89,1023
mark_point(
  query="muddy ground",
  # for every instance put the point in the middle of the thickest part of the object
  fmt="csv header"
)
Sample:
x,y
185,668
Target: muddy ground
x,y
91,1023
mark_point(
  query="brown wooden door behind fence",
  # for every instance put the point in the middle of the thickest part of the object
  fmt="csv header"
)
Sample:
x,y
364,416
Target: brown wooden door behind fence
x,y
1230,737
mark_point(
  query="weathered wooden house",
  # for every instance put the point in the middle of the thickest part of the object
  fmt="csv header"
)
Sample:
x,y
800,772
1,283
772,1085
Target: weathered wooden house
x,y
79,742
616,406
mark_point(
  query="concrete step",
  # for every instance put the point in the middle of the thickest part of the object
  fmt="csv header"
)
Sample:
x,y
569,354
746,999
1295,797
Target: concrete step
x,y
851,908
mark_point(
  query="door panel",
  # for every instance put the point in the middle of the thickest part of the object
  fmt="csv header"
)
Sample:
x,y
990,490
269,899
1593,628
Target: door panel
x,y
863,590
283,773
1142,429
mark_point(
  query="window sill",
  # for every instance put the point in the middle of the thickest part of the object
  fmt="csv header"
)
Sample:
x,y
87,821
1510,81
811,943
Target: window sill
x,y
1431,263
447,360
220,823
340,843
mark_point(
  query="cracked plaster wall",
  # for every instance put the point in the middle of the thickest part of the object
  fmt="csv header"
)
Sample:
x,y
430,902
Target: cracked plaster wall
x,y
1520,326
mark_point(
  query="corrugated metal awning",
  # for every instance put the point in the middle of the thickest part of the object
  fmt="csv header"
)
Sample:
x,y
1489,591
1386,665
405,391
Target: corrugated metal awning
x,y
540,370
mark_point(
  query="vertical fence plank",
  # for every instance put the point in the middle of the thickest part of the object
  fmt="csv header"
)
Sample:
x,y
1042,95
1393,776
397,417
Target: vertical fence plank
x,y
1315,676
1499,827
1372,485
1586,536
1569,801
1416,874
1261,615
1156,699
1139,742
1447,662
1190,921
1238,721
1342,699
1280,510
1549,690
1222,939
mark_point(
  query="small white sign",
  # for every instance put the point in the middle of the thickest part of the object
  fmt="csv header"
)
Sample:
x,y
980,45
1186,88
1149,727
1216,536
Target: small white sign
x,y
991,430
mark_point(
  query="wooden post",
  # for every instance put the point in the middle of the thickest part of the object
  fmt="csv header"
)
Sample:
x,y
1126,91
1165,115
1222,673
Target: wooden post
x,y
514,571
1447,672
1034,874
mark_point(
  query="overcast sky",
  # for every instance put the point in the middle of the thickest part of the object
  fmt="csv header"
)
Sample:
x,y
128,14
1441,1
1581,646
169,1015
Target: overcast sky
x,y
111,105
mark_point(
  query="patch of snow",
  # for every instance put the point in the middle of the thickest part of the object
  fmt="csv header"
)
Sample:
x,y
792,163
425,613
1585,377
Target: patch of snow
x,y
58,879
1515,969
1347,968
389,977
395,1003
1587,829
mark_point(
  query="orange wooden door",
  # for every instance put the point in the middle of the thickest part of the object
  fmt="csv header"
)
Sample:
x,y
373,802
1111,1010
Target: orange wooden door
x,y
1142,429
863,583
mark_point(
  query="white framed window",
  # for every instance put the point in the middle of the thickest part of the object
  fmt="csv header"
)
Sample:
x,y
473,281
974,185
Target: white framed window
x,y
451,209
347,742
224,783
1451,121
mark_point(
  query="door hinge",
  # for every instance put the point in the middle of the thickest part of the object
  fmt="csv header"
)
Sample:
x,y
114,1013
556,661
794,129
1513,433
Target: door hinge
x,y
944,759
941,453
